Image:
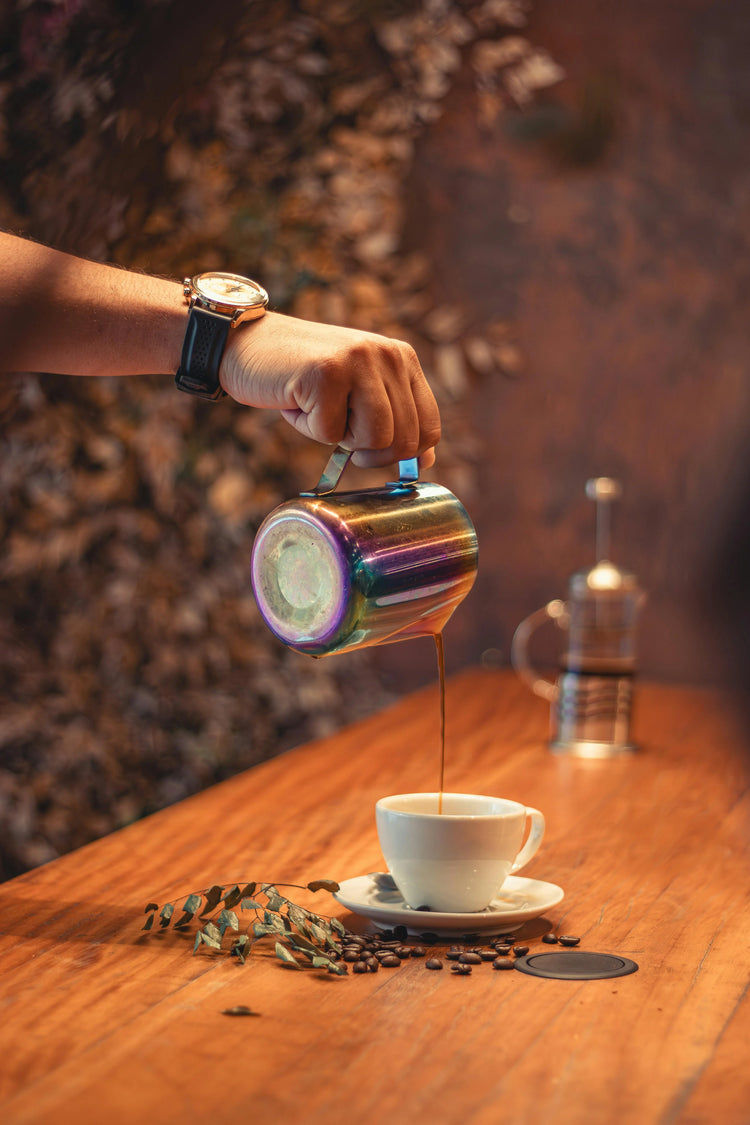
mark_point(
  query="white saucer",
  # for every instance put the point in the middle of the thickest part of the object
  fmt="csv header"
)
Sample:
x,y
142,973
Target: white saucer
x,y
374,896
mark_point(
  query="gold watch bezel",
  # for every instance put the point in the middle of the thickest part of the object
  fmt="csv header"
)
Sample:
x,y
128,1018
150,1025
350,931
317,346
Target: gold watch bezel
x,y
197,292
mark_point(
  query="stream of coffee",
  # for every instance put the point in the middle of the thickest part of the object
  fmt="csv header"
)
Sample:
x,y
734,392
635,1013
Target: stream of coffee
x,y
441,674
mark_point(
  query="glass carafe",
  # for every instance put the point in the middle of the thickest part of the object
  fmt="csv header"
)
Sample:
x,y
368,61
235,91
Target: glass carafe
x,y
592,696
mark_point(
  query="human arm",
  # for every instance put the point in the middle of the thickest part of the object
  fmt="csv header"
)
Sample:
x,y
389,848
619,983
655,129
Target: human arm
x,y
337,385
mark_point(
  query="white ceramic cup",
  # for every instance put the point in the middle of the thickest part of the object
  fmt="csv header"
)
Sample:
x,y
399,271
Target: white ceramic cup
x,y
457,860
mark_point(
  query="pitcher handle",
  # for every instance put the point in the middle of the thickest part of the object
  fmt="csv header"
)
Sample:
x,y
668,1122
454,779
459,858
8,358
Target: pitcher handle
x,y
555,610
408,472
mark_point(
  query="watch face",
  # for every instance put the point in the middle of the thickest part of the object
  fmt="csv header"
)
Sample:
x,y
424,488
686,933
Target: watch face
x,y
229,290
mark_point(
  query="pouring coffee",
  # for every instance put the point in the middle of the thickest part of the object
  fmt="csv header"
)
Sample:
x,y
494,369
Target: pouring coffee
x,y
334,571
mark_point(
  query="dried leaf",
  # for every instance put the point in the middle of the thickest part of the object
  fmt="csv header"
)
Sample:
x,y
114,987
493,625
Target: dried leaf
x,y
149,922
165,914
232,897
213,934
228,920
323,885
191,904
284,955
212,899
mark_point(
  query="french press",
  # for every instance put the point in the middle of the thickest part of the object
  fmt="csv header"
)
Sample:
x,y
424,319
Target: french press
x,y
593,694
334,571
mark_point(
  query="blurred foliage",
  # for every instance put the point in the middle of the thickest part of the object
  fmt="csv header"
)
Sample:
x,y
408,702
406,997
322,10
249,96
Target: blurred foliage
x,y
273,140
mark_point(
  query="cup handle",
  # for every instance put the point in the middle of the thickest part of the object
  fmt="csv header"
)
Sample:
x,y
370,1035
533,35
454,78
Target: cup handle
x,y
535,837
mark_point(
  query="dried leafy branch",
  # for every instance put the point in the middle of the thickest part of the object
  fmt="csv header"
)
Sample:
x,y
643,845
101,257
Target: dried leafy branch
x,y
296,930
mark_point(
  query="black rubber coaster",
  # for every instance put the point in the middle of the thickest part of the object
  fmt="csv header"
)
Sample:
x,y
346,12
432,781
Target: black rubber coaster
x,y
576,965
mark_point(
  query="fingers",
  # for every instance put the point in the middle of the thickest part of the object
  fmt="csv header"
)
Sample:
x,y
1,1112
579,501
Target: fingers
x,y
338,386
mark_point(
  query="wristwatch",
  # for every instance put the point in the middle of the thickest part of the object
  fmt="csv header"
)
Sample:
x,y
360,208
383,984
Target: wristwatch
x,y
217,302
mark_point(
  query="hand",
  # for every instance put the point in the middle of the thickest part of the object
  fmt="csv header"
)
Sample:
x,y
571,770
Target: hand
x,y
339,386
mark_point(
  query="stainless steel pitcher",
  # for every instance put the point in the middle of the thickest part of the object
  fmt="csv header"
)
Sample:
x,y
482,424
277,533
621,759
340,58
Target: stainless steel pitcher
x,y
334,571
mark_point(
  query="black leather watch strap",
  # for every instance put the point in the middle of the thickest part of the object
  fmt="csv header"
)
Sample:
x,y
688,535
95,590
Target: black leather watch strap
x,y
203,347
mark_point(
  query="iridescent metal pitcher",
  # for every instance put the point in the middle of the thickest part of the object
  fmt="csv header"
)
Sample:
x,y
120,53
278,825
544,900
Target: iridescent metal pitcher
x,y
334,571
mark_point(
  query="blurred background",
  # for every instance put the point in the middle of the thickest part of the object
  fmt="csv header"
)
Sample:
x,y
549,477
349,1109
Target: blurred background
x,y
551,202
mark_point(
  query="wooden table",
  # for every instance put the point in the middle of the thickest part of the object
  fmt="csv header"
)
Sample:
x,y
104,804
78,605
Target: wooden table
x,y
100,1023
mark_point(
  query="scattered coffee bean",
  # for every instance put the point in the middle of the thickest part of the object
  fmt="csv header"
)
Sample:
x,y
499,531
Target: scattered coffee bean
x,y
502,963
403,952
400,932
549,939
372,965
417,951
391,961
351,955
502,947
568,939
433,963
430,938
470,959
454,953
359,967
520,950
461,970
487,954
387,935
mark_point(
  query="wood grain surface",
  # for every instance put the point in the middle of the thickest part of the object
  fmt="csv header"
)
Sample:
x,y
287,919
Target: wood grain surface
x,y
101,1023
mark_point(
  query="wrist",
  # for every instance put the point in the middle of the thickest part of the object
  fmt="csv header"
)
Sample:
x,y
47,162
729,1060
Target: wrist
x,y
218,303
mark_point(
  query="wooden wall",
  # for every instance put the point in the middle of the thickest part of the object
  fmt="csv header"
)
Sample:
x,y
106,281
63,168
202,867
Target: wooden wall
x,y
610,227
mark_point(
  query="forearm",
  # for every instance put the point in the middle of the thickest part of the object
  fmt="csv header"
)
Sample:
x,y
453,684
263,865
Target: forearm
x,y
70,316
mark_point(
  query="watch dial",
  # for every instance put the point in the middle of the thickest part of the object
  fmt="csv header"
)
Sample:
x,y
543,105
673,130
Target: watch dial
x,y
229,289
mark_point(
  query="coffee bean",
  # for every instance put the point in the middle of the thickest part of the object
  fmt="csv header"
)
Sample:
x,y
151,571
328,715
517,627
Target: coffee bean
x,y
400,932
429,937
433,963
461,970
470,959
520,950
502,948
502,963
487,954
386,935
417,951
359,967
391,961
568,939
351,955
454,953
403,952
471,938
372,965
549,939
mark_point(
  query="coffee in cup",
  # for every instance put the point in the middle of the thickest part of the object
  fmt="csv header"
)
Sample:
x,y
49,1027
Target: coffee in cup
x,y
454,861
